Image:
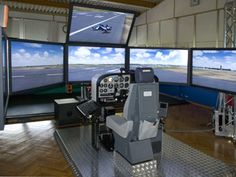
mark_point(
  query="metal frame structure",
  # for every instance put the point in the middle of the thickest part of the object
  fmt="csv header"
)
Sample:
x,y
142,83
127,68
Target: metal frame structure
x,y
225,113
230,23
6,70
225,117
2,117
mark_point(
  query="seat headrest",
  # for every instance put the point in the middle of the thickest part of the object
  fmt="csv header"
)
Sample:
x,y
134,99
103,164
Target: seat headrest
x,y
144,75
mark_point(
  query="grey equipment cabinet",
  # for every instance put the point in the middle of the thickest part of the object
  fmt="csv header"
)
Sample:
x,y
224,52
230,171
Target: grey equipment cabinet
x,y
66,112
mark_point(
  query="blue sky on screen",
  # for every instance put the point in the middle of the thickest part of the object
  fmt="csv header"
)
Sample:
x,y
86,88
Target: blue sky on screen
x,y
159,56
215,59
35,54
96,55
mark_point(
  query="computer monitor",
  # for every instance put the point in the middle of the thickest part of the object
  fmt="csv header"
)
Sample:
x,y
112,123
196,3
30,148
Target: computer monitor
x,y
85,62
170,65
35,64
92,25
214,68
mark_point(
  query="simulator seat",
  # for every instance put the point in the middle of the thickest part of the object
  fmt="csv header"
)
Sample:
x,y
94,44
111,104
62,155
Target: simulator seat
x,y
136,134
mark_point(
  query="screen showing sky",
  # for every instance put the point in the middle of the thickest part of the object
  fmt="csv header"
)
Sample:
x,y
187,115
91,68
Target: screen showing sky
x,y
221,59
215,69
85,62
35,54
170,65
35,65
99,26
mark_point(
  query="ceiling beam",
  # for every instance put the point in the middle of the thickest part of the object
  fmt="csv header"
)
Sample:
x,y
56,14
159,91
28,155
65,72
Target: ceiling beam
x,y
43,3
141,3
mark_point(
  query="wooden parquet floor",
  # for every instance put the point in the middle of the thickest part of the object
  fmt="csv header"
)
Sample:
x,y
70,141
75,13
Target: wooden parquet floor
x,y
190,117
29,149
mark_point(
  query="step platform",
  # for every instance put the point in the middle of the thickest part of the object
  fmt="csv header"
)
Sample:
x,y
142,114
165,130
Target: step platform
x,y
176,160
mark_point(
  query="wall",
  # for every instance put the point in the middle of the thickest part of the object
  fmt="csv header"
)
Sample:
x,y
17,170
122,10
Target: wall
x,y
36,26
192,94
174,23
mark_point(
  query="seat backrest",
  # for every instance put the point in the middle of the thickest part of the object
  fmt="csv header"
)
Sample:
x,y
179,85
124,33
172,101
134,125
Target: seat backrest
x,y
142,102
143,99
148,101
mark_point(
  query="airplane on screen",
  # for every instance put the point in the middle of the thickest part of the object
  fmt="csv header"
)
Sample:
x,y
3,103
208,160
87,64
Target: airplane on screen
x,y
103,28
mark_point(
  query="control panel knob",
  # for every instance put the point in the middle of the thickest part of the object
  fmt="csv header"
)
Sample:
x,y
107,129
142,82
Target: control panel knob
x,y
126,79
110,86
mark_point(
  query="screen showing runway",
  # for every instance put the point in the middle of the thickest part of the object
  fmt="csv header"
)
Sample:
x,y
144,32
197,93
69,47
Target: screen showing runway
x,y
214,69
35,65
170,65
99,26
85,62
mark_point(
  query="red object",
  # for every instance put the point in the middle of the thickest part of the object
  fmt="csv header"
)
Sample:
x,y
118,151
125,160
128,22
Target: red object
x,y
230,100
69,88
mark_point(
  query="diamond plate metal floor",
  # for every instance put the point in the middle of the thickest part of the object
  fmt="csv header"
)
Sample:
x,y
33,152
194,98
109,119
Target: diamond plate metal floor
x,y
177,159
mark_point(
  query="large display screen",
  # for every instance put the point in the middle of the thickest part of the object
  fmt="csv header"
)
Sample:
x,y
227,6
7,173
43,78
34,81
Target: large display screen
x,y
99,26
170,65
214,68
85,62
35,65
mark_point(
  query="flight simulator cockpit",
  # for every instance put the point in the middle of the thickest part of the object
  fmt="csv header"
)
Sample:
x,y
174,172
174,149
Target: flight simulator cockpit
x,y
115,127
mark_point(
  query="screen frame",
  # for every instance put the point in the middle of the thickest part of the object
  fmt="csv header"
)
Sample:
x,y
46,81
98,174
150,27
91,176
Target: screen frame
x,y
99,7
191,72
89,81
168,48
28,91
7,81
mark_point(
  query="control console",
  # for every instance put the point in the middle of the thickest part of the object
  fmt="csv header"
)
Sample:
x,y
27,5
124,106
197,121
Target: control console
x,y
110,87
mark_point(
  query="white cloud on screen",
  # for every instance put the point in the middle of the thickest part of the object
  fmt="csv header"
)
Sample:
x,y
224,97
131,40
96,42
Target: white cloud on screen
x,y
33,45
24,58
22,50
226,60
144,56
119,50
84,55
107,50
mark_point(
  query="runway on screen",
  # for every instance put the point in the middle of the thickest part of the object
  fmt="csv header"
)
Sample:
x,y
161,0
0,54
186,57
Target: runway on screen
x,y
32,78
83,23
